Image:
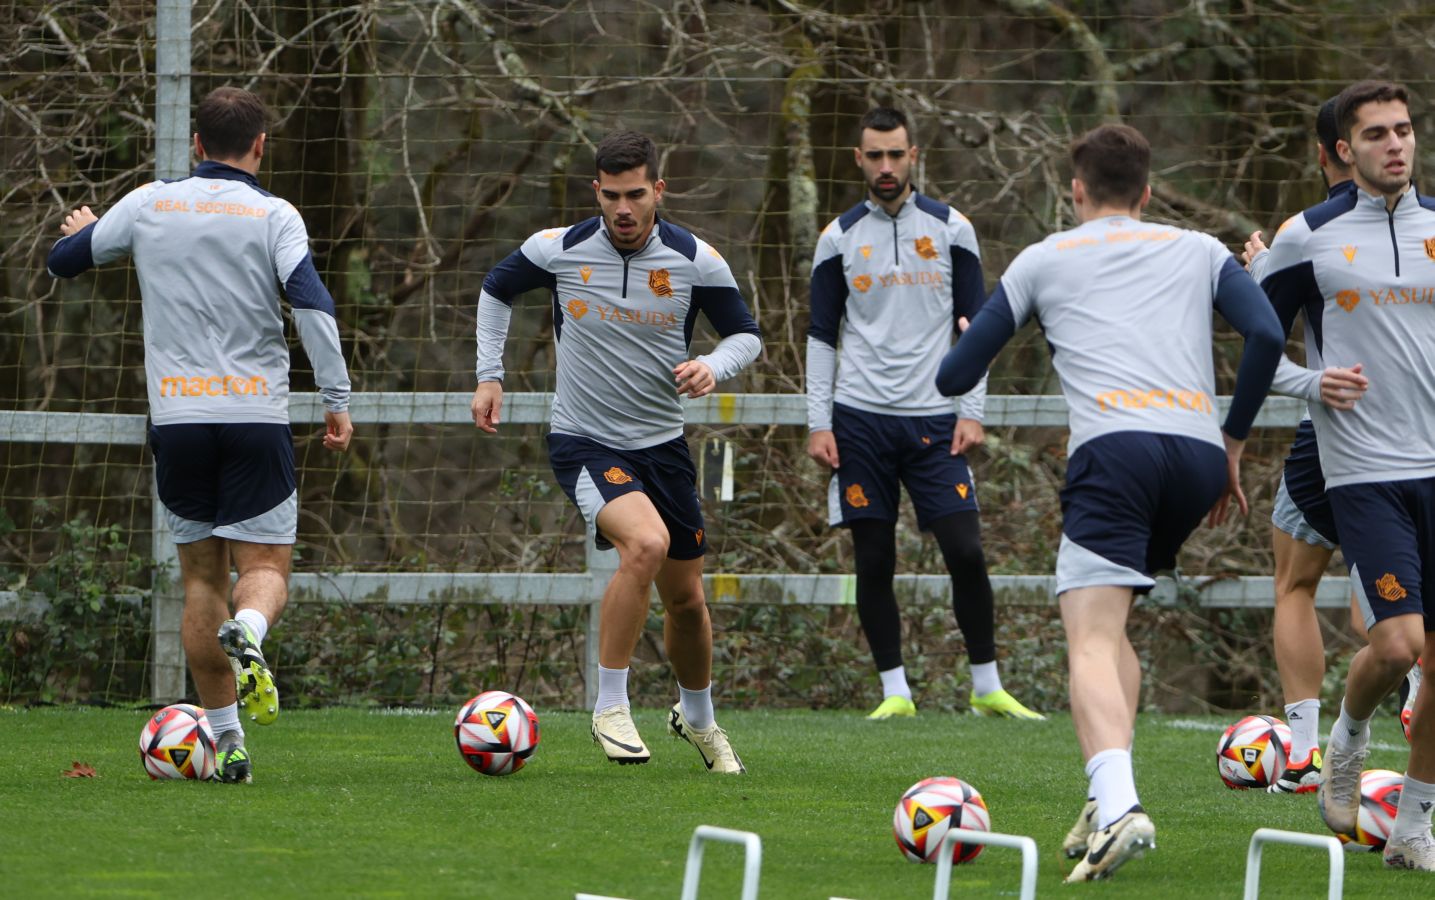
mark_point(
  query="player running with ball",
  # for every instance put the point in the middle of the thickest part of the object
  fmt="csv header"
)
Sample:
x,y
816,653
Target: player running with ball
x,y
1126,308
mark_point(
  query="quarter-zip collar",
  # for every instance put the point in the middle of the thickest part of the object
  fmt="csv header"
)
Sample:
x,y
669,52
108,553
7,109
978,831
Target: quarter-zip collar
x,y
875,207
225,172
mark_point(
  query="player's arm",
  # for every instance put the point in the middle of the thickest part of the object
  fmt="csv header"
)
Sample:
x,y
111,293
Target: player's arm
x,y
984,335
89,240
969,293
1241,303
740,340
316,320
519,272
828,297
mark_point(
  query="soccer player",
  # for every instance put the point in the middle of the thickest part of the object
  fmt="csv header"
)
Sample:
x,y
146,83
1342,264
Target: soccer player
x,y
1303,534
627,288
1126,309
1362,267
889,279
212,252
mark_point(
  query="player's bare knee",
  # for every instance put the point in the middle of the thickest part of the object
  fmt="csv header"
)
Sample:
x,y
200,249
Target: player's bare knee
x,y
644,552
688,609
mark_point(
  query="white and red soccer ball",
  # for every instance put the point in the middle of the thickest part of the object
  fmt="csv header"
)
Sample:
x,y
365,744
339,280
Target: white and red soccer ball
x,y
1379,800
932,807
175,744
496,732
1253,752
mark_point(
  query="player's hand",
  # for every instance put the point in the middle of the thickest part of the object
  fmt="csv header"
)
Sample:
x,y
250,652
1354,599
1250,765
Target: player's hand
x,y
338,430
822,446
76,220
967,436
1234,448
1340,388
487,404
694,378
1254,246
963,323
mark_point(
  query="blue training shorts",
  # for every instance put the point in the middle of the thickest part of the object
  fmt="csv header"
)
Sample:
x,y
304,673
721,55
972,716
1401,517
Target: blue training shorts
x,y
592,474
1389,542
877,451
233,480
1302,509
1130,501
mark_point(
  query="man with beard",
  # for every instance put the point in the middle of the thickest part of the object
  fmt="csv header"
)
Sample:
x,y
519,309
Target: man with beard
x,y
627,288
1361,266
890,278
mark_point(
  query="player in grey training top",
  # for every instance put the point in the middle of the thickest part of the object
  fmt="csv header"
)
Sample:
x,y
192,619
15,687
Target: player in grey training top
x,y
1125,306
212,252
1361,266
627,288
889,279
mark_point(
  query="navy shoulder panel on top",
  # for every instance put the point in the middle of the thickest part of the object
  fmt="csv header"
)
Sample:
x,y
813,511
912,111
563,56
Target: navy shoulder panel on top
x,y
852,216
934,208
1324,213
581,232
678,239
1427,202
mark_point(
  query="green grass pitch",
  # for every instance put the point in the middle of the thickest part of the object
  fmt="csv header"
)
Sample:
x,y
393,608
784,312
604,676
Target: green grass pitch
x,y
358,803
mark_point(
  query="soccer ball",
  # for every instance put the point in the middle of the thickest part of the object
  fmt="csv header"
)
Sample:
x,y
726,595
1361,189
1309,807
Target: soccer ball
x,y
932,807
496,732
1379,798
1253,752
175,743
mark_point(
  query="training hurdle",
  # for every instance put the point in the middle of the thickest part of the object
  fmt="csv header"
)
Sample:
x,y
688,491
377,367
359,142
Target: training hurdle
x,y
692,874
1027,846
1325,842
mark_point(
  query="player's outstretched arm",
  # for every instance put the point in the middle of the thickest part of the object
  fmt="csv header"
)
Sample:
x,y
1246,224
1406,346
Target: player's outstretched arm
x,y
982,339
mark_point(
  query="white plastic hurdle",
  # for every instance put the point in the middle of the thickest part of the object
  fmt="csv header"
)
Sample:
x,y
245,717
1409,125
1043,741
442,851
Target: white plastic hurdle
x,y
1265,836
1026,845
752,858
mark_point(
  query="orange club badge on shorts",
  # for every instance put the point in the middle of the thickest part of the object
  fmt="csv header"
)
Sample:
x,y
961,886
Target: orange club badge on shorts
x,y
1390,588
616,475
855,497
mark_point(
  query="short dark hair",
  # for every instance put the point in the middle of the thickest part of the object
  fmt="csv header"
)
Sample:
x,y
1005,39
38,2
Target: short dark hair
x,y
1327,130
886,118
1350,100
623,151
228,120
1114,162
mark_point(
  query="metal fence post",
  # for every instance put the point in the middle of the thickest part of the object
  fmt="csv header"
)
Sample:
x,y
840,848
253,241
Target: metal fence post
x,y
171,121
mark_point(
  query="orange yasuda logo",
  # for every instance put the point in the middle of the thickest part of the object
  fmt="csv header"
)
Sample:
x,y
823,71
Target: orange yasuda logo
x,y
1347,299
1388,587
585,273
925,248
855,497
660,283
963,490
862,283
577,309
616,475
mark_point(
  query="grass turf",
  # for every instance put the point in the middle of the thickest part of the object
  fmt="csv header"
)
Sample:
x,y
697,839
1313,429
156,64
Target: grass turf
x,y
363,803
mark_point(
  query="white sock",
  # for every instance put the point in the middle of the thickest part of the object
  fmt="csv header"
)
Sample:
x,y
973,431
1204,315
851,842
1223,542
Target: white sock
x,y
1349,733
256,622
1113,784
894,683
612,688
697,706
226,718
985,678
1303,716
1412,817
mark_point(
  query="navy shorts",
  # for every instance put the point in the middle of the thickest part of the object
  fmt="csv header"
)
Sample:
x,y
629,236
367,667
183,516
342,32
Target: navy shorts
x,y
1389,530
877,451
592,474
233,480
1304,482
1130,501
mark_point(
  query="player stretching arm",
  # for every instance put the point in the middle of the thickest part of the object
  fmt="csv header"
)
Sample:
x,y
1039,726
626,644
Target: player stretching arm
x,y
211,252
1126,307
889,279
627,288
